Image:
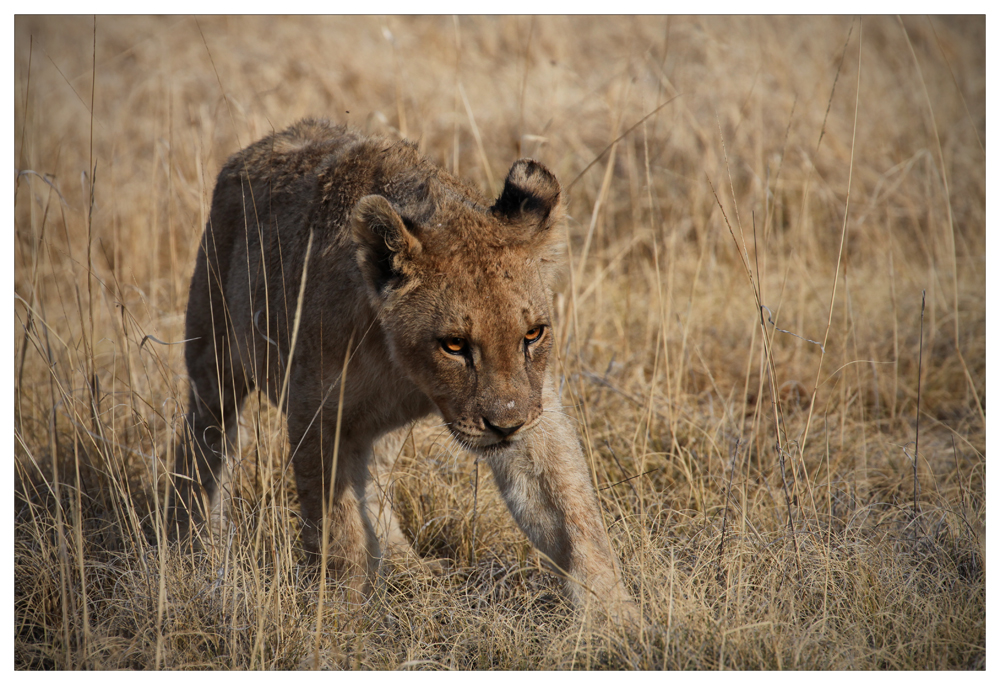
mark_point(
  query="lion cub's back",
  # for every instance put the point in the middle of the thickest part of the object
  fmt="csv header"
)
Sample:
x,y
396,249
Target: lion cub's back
x,y
284,161
272,185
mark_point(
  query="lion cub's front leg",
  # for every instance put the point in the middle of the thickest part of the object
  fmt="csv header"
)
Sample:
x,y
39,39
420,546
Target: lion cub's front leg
x,y
336,526
547,485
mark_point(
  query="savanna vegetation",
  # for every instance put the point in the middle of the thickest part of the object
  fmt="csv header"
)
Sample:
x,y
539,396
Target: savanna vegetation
x,y
772,334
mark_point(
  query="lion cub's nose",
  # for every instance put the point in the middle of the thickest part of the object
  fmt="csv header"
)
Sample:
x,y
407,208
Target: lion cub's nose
x,y
502,431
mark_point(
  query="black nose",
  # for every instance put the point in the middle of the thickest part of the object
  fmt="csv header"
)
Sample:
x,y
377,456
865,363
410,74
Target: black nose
x,y
502,431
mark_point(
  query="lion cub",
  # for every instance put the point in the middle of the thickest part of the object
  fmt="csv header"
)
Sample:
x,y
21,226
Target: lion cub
x,y
430,296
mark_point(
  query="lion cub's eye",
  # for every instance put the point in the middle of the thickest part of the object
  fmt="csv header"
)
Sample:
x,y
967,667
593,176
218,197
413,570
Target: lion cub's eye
x,y
534,335
454,345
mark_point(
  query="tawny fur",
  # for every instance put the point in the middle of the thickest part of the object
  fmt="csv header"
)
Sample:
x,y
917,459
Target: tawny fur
x,y
439,301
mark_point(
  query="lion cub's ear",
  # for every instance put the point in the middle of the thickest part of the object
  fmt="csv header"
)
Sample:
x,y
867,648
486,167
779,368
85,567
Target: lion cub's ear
x,y
530,196
382,239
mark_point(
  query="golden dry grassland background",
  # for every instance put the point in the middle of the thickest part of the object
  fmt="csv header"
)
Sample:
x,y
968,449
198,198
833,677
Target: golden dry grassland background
x,y
757,206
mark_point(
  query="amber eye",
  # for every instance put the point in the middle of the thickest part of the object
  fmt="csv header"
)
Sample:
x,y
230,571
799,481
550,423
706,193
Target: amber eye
x,y
533,335
454,345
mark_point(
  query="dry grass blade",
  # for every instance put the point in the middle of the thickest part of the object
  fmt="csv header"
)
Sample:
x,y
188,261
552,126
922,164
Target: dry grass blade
x,y
840,251
614,142
479,139
951,223
24,117
916,438
325,538
833,88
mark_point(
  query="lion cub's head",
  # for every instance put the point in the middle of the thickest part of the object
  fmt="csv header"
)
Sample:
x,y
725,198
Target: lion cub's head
x,y
464,293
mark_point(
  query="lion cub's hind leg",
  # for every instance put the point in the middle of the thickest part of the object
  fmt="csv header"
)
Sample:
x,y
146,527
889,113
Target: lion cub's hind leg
x,y
219,387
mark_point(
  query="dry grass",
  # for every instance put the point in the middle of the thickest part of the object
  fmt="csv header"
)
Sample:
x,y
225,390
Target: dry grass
x,y
835,207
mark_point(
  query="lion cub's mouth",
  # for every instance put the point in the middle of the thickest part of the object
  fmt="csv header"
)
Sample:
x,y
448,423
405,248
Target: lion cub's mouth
x,y
488,442
485,442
